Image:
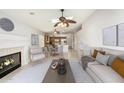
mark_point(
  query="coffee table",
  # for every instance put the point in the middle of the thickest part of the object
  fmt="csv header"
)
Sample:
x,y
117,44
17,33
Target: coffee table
x,y
53,77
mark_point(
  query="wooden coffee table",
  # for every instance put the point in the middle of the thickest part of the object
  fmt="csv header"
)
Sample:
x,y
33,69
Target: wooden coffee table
x,y
53,77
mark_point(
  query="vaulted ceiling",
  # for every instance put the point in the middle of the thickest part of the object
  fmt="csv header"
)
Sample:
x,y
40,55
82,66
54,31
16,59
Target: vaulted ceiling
x,y
41,18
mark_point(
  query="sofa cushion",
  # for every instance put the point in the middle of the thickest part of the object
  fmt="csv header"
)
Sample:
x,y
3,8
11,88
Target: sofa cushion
x,y
93,63
105,73
103,59
118,66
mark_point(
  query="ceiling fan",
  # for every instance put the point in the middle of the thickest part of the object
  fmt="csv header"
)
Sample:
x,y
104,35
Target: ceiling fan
x,y
63,21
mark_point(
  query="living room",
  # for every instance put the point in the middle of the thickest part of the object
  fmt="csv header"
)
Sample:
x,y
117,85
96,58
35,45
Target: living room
x,y
65,46
76,43
24,39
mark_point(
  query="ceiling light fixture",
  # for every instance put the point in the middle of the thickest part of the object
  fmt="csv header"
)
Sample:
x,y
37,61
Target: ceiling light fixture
x,y
55,32
63,22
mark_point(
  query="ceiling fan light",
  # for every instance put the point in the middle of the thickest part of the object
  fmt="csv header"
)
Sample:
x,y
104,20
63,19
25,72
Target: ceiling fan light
x,y
55,32
59,24
64,24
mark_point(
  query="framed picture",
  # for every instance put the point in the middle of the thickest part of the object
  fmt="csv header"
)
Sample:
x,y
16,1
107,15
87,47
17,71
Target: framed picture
x,y
121,35
34,39
110,36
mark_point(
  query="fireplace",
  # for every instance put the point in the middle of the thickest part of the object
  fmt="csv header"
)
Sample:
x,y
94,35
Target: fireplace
x,y
9,63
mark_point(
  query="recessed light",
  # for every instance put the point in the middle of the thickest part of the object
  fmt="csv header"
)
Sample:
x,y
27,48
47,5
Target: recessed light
x,y
31,13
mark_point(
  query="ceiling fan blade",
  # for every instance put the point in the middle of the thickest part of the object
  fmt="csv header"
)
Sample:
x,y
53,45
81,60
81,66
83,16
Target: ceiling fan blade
x,y
71,21
57,24
67,24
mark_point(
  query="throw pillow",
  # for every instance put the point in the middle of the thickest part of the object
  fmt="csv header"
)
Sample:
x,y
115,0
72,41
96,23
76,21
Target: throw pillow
x,y
102,52
118,66
111,58
103,59
96,51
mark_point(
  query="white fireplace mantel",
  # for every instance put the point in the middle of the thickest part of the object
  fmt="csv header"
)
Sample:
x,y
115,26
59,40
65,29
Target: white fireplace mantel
x,y
11,43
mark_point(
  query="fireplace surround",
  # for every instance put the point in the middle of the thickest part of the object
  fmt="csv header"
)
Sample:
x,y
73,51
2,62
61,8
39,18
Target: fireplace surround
x,y
9,63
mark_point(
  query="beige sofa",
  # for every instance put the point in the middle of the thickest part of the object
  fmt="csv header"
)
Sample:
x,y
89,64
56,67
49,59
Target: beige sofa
x,y
105,74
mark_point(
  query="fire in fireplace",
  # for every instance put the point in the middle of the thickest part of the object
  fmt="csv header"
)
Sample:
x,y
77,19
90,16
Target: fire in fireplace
x,y
9,63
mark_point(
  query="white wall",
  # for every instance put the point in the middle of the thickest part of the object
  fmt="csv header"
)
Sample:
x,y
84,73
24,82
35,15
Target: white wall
x,y
19,37
91,34
41,40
